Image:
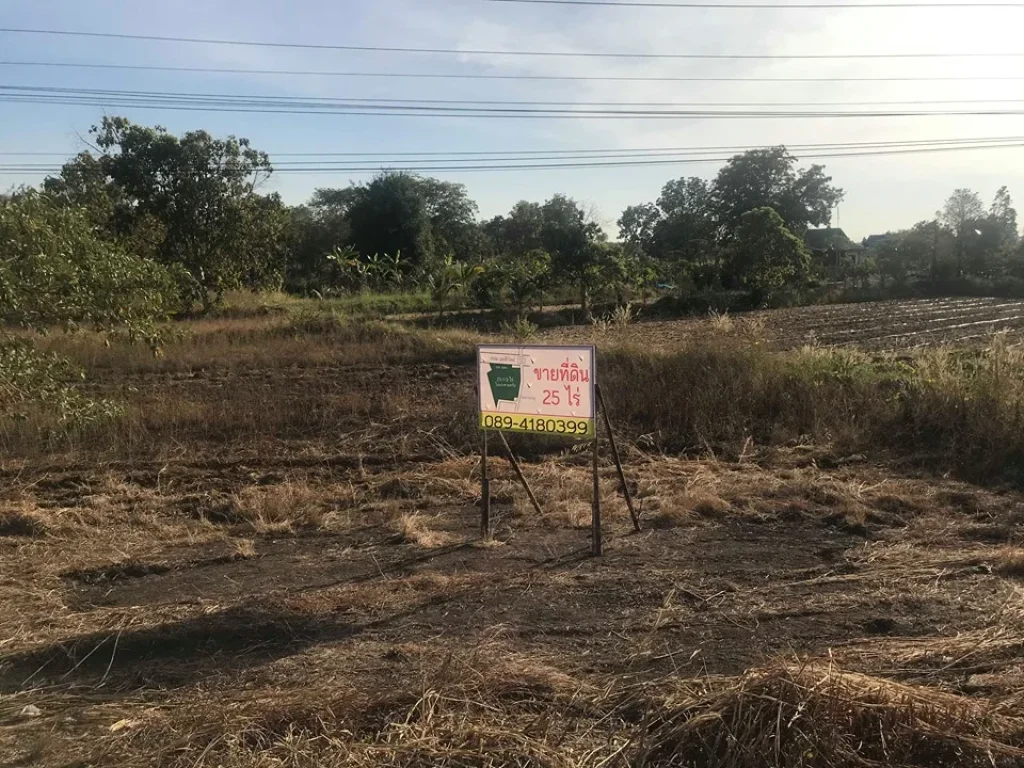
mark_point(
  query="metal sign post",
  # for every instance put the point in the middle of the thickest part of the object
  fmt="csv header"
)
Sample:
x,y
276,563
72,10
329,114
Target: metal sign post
x,y
618,462
595,524
485,495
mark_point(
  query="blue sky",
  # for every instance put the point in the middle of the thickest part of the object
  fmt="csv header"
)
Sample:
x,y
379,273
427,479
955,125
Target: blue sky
x,y
882,193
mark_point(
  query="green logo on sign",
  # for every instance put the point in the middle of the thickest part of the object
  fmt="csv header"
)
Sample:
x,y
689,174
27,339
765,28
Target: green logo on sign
x,y
504,380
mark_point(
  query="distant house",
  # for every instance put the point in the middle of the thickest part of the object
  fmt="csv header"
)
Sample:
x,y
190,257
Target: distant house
x,y
832,246
873,242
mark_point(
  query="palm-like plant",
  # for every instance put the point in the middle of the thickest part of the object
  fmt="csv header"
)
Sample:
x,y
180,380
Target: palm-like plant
x,y
451,277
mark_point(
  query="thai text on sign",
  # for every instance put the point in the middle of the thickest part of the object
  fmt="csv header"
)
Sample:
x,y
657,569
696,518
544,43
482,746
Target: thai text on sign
x,y
539,389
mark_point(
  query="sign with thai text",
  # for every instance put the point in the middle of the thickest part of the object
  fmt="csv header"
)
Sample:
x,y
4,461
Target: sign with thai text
x,y
538,389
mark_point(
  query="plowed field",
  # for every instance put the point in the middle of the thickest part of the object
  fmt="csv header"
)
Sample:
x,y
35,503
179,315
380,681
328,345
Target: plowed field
x,y
885,325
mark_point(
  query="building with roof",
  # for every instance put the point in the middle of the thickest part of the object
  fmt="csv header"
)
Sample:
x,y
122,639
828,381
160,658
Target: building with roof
x,y
871,242
831,245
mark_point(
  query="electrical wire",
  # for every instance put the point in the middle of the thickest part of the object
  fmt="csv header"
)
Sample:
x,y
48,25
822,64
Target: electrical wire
x,y
479,76
283,105
301,165
474,155
491,52
332,100
539,166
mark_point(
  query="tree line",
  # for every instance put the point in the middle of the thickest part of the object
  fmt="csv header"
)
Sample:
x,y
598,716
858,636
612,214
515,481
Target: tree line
x,y
964,240
146,223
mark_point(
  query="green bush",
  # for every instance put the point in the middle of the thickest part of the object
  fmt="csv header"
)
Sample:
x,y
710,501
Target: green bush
x,y
55,270
31,380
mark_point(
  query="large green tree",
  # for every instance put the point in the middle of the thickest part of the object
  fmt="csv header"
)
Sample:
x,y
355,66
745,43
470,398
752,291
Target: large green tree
x,y
769,178
517,234
679,228
425,219
960,215
1003,218
570,235
637,227
192,200
390,216
56,269
933,247
766,255
453,227
686,233
315,231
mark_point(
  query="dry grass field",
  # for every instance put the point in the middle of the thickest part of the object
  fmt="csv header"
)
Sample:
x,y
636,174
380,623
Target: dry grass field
x,y
272,559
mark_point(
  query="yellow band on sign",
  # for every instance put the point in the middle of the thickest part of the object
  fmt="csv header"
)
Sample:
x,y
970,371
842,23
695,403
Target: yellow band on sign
x,y
538,425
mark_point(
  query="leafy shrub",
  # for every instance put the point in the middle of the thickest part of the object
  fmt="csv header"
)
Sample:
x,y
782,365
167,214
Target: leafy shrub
x,y
30,379
519,329
55,270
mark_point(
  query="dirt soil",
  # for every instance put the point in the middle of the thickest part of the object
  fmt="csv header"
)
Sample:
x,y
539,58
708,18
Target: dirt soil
x,y
295,566
146,588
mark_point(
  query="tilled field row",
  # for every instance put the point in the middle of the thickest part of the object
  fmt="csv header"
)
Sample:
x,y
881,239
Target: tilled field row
x,y
900,325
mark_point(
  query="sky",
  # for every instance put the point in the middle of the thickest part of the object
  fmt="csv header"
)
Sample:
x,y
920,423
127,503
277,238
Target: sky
x,y
882,193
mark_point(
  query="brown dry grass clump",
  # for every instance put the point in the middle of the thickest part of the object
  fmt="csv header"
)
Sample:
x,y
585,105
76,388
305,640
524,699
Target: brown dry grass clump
x,y
285,506
495,707
786,716
688,508
669,516
992,650
413,530
483,708
723,393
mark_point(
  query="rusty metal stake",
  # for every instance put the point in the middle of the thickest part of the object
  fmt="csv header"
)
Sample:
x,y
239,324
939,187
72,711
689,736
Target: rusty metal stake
x,y
485,495
519,473
618,462
596,521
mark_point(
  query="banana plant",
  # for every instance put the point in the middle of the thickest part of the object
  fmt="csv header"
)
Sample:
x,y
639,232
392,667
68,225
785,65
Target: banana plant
x,y
394,267
353,269
451,277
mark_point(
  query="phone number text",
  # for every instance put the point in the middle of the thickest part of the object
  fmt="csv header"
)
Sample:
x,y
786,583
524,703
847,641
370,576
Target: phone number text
x,y
546,425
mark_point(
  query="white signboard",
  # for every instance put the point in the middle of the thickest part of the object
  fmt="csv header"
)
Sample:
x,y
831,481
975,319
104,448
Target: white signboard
x,y
540,389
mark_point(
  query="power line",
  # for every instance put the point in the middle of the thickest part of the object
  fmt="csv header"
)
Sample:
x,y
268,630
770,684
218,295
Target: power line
x,y
490,52
536,166
704,149
350,100
478,76
509,114
749,6
282,105
672,153
504,113
378,161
